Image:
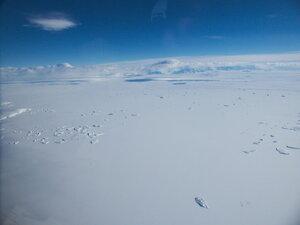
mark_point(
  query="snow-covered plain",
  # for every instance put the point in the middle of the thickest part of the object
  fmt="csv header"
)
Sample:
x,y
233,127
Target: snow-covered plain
x,y
134,143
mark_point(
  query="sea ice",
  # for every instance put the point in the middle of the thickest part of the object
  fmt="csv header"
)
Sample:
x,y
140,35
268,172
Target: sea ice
x,y
55,184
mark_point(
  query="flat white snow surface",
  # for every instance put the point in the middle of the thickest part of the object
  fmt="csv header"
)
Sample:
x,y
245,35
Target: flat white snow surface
x,y
114,152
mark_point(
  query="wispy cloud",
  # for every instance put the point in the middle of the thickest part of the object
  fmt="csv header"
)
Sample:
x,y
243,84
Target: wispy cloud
x,y
272,16
216,37
52,22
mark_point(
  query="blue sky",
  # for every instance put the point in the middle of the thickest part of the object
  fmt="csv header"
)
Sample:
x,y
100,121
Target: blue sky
x,y
35,32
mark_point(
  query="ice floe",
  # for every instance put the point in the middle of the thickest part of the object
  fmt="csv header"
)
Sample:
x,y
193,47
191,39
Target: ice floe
x,y
44,141
6,104
293,147
282,151
14,142
15,113
249,151
244,203
201,202
291,128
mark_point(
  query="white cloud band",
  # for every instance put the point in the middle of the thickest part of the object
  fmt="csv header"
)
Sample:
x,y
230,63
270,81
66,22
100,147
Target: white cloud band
x,y
52,22
283,64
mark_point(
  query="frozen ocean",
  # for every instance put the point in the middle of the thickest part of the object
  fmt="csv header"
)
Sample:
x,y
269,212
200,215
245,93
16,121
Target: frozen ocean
x,y
172,141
